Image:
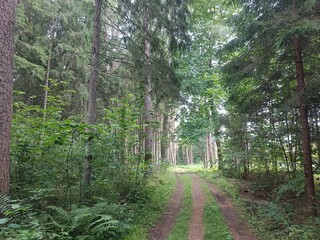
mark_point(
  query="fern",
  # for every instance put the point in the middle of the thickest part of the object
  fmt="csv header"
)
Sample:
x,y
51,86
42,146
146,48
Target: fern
x,y
102,221
61,214
9,209
104,225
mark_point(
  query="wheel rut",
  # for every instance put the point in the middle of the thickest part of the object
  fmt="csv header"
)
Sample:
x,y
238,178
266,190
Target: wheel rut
x,y
165,224
196,227
238,226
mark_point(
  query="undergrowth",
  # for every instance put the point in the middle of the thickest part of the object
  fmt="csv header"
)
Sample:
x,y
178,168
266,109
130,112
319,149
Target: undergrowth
x,y
159,190
274,207
103,220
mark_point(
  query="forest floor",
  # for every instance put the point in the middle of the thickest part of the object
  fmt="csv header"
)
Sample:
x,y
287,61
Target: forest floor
x,y
237,225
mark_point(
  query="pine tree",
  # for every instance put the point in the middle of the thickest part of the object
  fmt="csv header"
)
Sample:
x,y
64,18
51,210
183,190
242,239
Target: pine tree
x,y
7,23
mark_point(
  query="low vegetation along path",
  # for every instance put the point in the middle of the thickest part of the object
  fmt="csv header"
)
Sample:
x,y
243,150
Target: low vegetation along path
x,y
237,226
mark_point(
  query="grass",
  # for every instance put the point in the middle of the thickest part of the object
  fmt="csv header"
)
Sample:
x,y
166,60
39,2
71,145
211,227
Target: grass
x,y
214,223
215,226
187,168
160,190
269,219
180,230
232,191
222,183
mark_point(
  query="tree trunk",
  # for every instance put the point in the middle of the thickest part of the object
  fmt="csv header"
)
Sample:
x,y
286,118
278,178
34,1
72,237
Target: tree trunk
x,y
164,137
307,160
219,153
46,81
187,155
305,131
191,155
92,108
317,132
147,96
7,21
289,144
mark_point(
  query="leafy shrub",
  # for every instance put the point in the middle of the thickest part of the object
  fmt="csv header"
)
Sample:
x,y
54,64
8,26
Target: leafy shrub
x,y
294,187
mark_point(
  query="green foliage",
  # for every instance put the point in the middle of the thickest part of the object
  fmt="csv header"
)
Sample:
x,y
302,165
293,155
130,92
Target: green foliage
x,y
10,212
159,190
220,181
293,188
102,221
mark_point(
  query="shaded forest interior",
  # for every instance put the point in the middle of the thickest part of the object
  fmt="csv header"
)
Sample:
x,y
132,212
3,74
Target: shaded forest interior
x,y
108,95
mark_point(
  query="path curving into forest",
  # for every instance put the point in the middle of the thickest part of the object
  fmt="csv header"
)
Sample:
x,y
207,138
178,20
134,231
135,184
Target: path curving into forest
x,y
165,224
238,227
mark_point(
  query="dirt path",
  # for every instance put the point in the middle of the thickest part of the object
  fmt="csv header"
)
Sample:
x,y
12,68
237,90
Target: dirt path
x,y
196,228
238,227
166,222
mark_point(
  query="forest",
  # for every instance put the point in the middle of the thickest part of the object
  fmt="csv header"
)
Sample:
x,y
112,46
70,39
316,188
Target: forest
x,y
112,110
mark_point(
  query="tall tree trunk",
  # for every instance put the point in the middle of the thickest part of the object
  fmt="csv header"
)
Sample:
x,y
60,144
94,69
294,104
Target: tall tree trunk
x,y
219,153
148,89
46,81
7,21
187,156
307,160
317,134
92,108
289,144
164,137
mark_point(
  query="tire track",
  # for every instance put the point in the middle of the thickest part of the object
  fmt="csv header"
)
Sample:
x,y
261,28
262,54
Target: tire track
x,y
238,227
165,224
196,228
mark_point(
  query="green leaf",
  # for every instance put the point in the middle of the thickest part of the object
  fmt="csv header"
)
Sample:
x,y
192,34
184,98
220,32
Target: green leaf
x,y
4,221
14,225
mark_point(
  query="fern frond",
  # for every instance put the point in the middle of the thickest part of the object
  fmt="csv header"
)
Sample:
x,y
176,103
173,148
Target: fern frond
x,y
9,208
104,225
61,215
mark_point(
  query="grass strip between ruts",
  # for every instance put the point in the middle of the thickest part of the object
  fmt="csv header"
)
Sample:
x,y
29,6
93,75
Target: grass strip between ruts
x,y
214,223
180,230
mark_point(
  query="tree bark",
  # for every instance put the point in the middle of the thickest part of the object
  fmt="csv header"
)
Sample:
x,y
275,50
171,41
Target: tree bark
x,y
317,135
46,81
191,155
164,137
219,152
148,89
7,22
307,159
92,107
